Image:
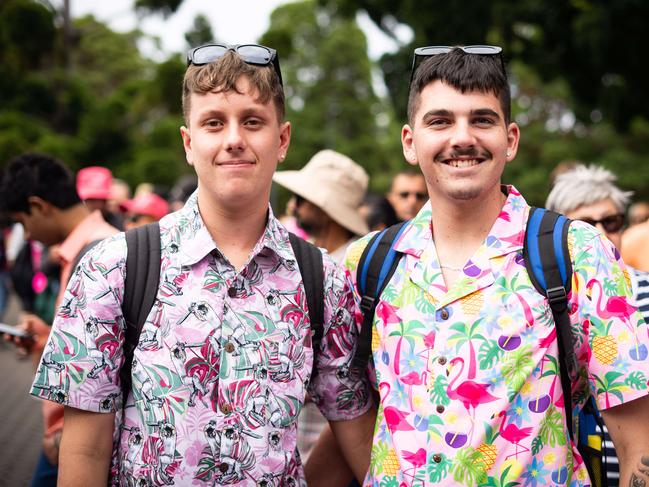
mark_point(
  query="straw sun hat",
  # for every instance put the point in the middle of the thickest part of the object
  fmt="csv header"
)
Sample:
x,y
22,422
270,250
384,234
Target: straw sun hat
x,y
334,183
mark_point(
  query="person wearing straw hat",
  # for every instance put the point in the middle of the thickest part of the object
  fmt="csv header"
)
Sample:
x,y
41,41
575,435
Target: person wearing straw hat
x,y
329,190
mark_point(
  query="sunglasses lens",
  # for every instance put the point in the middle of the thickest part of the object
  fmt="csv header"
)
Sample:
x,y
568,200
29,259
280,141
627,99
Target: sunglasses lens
x,y
431,50
207,54
613,224
485,50
255,54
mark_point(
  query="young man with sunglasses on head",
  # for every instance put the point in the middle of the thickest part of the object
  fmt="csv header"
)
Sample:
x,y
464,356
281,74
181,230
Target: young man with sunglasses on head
x,y
407,194
224,359
466,352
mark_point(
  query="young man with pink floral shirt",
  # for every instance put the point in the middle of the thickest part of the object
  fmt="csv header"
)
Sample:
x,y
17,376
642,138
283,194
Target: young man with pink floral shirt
x,y
466,353
224,359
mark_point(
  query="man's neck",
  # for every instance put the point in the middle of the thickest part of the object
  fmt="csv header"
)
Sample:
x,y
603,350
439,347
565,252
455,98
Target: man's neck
x,y
459,228
69,218
331,237
235,230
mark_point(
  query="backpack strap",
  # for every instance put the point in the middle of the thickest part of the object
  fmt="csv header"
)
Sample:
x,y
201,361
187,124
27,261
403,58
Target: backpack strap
x,y
83,252
547,260
375,268
140,290
309,261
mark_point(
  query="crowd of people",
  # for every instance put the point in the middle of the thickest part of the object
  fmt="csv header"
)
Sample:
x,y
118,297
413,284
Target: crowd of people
x,y
232,379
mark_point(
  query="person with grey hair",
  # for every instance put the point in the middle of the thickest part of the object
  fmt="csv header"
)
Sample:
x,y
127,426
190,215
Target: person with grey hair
x,y
589,194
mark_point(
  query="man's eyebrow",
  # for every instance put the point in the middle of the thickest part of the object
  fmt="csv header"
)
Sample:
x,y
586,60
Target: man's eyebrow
x,y
485,112
437,113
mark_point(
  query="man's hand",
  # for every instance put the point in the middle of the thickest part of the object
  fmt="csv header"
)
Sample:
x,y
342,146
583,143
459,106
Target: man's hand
x,y
37,333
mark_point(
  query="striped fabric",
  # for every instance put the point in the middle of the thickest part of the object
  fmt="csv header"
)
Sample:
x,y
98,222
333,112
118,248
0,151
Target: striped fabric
x,y
640,285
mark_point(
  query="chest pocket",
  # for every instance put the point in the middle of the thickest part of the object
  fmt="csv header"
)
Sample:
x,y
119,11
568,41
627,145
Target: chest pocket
x,y
286,361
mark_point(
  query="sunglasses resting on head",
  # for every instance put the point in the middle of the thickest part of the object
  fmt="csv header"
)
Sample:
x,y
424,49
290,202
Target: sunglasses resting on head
x,y
251,53
422,53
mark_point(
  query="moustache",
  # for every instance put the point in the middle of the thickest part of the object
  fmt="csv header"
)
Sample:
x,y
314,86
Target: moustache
x,y
471,153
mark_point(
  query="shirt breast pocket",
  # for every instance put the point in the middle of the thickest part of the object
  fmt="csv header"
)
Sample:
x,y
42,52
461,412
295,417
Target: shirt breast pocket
x,y
285,381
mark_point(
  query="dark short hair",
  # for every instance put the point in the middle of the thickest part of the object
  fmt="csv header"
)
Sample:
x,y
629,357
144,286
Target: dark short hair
x,y
33,174
464,72
222,76
380,211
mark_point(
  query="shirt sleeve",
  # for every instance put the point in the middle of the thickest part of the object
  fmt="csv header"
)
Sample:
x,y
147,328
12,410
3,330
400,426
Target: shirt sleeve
x,y
338,392
82,358
613,340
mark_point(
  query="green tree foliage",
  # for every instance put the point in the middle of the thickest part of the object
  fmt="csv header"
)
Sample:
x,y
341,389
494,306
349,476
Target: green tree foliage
x,y
328,83
201,32
101,103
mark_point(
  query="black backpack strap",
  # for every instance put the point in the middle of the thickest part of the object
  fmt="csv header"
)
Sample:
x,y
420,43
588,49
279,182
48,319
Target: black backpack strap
x,y
309,261
83,252
375,268
140,290
547,260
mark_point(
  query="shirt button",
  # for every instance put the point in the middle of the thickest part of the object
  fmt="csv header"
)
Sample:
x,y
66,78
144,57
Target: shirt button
x,y
232,292
437,458
441,361
229,347
223,467
444,314
226,408
440,409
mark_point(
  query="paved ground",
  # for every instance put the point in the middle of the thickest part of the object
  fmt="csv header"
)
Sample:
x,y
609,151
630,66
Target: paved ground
x,y
20,416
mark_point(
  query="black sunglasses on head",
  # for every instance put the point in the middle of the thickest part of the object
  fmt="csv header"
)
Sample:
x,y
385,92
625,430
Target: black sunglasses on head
x,y
611,224
251,53
422,53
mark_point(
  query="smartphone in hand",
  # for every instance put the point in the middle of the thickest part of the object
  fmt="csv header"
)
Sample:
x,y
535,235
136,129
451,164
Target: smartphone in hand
x,y
13,331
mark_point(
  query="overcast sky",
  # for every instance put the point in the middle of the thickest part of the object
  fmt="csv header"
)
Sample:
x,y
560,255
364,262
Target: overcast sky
x,y
233,21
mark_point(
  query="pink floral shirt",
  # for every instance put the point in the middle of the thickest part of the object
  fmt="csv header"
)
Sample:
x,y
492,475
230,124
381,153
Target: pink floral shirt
x,y
468,376
223,362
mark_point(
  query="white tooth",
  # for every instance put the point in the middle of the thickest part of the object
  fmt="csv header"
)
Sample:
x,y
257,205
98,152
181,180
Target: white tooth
x,y
463,163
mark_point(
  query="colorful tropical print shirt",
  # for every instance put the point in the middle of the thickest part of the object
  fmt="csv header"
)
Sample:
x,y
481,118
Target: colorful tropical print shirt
x,y
468,381
220,372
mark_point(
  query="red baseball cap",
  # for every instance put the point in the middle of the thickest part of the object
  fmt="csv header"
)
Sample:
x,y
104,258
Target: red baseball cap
x,y
146,204
93,183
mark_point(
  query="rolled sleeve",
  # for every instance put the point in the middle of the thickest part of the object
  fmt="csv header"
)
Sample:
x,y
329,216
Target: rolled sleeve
x,y
339,394
81,361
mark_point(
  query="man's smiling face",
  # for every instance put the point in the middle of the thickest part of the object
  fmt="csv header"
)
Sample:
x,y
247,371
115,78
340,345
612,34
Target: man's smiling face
x,y
461,142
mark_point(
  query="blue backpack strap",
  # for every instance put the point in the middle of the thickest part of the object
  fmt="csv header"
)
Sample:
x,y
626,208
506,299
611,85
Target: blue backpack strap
x,y
548,264
309,261
140,290
375,268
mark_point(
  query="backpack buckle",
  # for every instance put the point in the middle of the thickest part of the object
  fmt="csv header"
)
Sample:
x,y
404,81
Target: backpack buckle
x,y
557,295
366,303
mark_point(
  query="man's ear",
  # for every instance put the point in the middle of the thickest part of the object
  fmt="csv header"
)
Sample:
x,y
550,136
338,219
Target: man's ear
x,y
408,145
513,138
186,135
39,205
284,140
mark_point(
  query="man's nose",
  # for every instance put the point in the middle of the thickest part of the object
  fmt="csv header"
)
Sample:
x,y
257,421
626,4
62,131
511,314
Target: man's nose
x,y
234,138
462,135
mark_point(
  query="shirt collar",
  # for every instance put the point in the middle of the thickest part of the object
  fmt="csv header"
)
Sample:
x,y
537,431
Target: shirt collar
x,y
507,234
188,232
